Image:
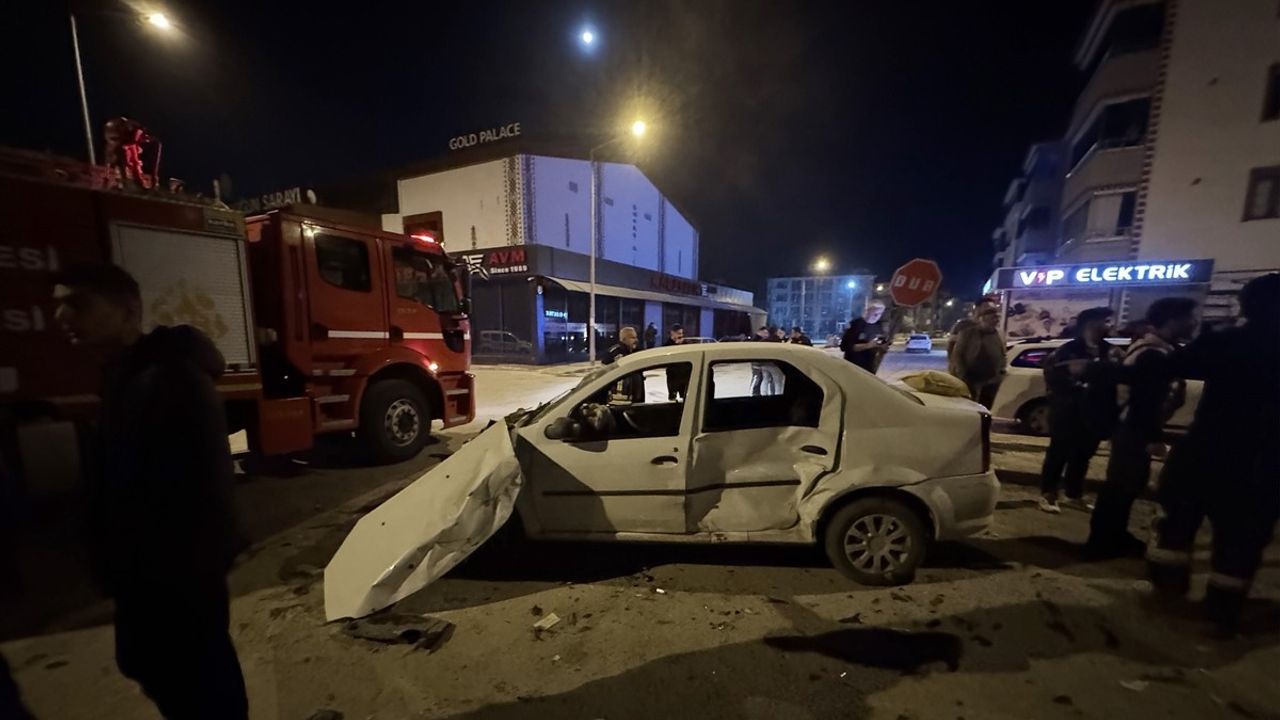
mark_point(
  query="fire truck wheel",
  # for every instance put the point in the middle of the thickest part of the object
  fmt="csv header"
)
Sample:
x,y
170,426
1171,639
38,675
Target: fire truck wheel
x,y
395,420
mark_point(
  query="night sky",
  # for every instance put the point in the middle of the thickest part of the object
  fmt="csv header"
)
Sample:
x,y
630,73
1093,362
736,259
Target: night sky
x,y
872,132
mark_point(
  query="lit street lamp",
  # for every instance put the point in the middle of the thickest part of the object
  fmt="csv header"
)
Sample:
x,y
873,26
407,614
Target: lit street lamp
x,y
157,20
820,266
638,129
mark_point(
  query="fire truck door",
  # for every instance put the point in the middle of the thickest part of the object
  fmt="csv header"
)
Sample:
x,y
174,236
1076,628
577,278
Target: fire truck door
x,y
348,312
421,297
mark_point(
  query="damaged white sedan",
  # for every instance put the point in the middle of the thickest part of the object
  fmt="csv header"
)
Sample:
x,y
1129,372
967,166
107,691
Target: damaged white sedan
x,y
734,442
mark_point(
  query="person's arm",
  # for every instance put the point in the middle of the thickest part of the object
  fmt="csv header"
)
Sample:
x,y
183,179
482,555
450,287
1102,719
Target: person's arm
x,y
1194,360
1149,379
1057,371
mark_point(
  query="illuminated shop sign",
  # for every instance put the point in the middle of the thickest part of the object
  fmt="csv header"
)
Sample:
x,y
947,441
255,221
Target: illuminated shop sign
x,y
1111,274
557,314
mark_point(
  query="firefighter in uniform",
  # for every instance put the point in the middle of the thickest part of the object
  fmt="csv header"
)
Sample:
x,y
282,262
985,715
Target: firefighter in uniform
x,y
1228,468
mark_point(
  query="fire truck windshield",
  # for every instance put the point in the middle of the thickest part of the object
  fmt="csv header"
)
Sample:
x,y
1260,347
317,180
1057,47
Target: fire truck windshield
x,y
423,278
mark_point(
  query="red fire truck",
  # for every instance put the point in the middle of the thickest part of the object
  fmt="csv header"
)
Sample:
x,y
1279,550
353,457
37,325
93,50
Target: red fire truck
x,y
327,325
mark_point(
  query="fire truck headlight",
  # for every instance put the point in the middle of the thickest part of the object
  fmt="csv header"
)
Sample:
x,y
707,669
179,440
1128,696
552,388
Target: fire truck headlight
x,y
433,367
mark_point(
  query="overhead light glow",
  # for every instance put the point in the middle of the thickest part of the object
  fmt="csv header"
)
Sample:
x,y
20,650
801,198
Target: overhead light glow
x,y
639,128
588,37
159,20
851,284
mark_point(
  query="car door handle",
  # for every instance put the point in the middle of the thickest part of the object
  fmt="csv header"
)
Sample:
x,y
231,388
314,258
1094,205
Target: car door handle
x,y
814,450
664,460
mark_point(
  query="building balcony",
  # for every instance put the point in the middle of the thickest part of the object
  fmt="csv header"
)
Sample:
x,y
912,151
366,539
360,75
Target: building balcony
x,y
1096,247
1121,74
1103,167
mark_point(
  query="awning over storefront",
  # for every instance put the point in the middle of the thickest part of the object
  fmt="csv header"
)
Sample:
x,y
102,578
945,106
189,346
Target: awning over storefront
x,y
621,292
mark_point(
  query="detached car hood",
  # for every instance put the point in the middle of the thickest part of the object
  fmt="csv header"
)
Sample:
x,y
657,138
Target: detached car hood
x,y
426,529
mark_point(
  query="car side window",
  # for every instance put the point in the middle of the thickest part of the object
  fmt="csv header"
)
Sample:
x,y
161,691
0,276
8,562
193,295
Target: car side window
x,y
1032,358
645,403
743,395
343,262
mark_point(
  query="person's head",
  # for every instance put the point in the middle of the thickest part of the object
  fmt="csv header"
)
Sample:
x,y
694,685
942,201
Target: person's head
x,y
1173,318
627,336
763,331
796,332
1094,324
875,311
1260,300
676,333
775,331
988,317
97,304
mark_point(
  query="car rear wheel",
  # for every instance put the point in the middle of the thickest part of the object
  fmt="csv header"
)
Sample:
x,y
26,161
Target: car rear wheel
x,y
1034,416
395,420
876,541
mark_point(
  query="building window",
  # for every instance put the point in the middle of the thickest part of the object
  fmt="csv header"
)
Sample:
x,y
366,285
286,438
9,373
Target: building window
x,y
1101,217
566,229
1120,124
1271,102
608,201
573,186
1263,199
343,262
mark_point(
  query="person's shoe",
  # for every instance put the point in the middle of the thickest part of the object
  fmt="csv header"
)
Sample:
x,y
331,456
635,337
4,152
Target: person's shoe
x,y
1078,504
1049,505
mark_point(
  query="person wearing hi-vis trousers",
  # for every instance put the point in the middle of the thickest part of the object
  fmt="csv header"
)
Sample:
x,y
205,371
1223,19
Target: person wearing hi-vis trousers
x,y
1228,467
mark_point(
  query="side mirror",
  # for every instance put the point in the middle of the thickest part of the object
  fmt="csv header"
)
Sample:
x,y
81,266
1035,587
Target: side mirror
x,y
562,429
464,306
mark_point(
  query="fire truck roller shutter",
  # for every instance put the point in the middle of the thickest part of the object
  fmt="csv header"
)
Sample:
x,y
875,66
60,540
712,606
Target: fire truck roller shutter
x,y
191,279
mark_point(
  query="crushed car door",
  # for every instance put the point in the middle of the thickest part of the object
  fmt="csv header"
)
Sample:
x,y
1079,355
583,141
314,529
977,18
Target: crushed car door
x,y
625,471
766,432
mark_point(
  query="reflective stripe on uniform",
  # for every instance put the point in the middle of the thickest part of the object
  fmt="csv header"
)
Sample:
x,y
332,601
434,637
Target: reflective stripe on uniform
x,y
1227,582
1164,556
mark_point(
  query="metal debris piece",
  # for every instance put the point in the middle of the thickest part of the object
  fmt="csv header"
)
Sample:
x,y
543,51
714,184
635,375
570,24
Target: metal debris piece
x,y
547,622
423,632
1134,685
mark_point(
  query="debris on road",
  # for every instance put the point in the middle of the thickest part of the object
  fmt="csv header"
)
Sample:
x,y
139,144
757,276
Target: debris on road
x,y
854,619
660,591
423,632
1134,685
325,714
546,623
424,530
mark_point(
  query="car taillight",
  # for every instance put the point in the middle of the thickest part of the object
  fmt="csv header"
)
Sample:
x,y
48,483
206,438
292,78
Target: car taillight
x,y
986,442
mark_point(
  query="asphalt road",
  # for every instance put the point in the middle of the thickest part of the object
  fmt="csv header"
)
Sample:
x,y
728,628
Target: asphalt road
x,y
1011,624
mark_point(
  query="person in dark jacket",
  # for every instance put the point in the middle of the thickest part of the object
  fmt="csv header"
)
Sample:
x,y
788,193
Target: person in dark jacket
x,y
799,338
866,341
163,533
1077,412
978,357
632,386
650,336
1228,467
677,375
1150,395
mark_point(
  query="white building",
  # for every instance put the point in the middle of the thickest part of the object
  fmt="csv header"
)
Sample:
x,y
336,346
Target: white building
x,y
1172,153
523,221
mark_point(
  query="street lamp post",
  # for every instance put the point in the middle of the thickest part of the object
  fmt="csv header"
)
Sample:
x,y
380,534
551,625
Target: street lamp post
x,y
820,266
638,129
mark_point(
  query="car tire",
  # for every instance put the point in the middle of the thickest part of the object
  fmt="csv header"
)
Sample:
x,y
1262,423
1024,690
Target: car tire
x,y
395,421
1034,417
876,541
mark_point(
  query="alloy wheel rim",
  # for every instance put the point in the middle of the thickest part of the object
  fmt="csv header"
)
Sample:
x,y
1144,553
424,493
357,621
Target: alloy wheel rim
x,y
878,544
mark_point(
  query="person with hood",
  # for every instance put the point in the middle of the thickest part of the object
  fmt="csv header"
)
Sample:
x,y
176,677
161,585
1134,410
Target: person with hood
x,y
162,529
978,358
1149,396
1081,413
631,386
650,336
866,341
1227,469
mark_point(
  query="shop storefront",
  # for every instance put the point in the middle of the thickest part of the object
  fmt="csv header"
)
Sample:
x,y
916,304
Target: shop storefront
x,y
1044,301
530,304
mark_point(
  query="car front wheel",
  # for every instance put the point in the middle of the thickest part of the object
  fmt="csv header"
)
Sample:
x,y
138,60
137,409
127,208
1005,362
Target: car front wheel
x,y
876,541
1035,417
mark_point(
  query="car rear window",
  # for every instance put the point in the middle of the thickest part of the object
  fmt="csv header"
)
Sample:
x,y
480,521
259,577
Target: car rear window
x,y
1031,358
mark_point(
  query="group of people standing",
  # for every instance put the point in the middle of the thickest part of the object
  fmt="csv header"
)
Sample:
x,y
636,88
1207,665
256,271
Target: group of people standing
x,y
1226,469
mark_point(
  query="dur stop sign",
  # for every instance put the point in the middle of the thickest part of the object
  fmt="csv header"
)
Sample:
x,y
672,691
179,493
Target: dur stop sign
x,y
915,282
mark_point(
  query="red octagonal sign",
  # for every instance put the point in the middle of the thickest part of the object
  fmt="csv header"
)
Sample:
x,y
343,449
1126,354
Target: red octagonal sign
x,y
915,282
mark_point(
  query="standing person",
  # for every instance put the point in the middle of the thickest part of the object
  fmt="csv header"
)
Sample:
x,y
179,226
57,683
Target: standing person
x,y
1076,375
799,338
1153,394
162,528
1228,466
677,375
632,386
978,358
650,336
761,377
865,342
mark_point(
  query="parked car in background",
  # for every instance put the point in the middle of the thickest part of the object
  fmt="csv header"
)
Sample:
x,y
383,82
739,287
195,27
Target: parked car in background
x,y
919,343
1023,397
501,342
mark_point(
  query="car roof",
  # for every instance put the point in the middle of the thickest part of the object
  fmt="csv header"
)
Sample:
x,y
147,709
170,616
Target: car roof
x,y
715,351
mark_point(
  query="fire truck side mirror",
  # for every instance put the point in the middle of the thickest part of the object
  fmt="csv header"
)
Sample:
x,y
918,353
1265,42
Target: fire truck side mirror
x,y
464,305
